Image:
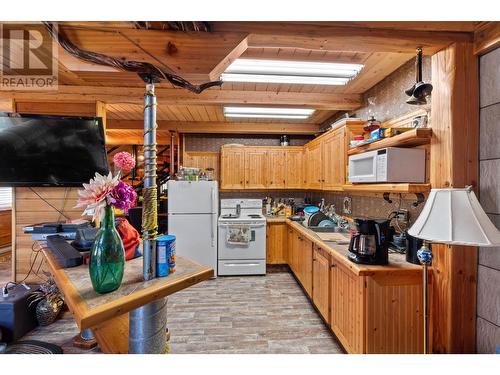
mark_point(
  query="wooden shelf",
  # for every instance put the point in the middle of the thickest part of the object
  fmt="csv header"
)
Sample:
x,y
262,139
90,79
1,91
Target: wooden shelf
x,y
410,138
391,188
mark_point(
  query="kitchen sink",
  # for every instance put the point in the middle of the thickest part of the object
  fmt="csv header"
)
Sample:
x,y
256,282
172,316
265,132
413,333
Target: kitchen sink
x,y
334,229
329,229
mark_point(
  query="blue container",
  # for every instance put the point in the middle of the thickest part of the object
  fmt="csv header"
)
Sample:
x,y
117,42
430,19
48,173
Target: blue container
x,y
165,255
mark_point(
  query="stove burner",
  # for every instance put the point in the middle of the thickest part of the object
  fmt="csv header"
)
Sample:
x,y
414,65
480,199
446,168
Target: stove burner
x,y
230,216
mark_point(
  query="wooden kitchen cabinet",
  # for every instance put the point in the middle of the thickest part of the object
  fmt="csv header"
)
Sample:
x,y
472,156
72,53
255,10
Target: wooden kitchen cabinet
x,y
233,168
295,176
334,160
203,160
276,236
293,250
321,282
276,169
304,264
347,307
371,309
255,168
314,168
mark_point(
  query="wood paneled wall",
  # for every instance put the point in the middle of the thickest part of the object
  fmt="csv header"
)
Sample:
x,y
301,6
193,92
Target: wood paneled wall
x,y
5,227
31,209
454,149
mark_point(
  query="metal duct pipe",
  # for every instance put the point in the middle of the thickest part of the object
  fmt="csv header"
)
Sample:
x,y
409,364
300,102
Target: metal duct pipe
x,y
148,328
148,323
149,207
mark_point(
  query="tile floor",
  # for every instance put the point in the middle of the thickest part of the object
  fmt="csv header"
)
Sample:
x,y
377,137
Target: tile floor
x,y
254,314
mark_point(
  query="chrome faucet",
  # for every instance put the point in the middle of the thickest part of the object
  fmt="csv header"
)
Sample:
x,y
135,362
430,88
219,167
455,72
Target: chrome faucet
x,y
238,210
322,205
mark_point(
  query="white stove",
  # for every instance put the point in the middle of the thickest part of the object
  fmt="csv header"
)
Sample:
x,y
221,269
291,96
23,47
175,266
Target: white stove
x,y
242,238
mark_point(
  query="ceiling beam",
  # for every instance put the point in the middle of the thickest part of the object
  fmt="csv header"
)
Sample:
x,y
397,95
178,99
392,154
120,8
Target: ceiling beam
x,y
331,37
195,56
116,137
115,127
134,95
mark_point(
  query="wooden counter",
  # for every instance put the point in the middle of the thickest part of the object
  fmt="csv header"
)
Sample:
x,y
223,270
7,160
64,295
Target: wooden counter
x,y
107,314
397,262
275,219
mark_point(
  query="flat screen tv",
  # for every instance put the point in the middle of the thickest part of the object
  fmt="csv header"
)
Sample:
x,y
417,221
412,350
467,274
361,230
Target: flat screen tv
x,y
38,150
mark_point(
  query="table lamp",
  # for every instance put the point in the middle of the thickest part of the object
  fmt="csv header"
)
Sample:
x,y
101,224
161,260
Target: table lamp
x,y
453,217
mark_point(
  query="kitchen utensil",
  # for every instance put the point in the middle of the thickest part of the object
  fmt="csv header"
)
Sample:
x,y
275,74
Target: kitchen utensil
x,y
284,140
419,92
308,211
316,218
326,223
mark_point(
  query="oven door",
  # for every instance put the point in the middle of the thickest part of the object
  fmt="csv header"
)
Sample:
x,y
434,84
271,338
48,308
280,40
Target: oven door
x,y
255,248
363,167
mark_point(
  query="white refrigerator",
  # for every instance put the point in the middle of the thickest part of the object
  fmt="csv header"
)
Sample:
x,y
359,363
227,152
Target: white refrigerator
x,y
193,208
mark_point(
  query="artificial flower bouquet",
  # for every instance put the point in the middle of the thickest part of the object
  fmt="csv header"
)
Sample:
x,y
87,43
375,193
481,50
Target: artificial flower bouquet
x,y
108,190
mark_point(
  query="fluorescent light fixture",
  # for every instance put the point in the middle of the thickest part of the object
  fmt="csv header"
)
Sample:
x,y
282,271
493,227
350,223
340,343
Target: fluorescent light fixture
x,y
268,112
294,72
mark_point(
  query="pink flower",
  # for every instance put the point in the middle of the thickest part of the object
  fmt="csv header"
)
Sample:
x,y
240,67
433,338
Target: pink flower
x,y
123,196
124,161
94,196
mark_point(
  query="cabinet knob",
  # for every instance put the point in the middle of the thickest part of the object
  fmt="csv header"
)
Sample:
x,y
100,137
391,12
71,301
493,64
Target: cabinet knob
x,y
333,266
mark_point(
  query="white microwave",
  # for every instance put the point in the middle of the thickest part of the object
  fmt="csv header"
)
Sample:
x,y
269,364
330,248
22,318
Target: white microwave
x,y
391,164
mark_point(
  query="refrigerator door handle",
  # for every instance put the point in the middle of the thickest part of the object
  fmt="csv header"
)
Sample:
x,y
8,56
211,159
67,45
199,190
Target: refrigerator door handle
x,y
212,231
212,202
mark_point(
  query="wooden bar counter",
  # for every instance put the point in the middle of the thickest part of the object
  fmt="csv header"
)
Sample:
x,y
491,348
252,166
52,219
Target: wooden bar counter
x,y
107,314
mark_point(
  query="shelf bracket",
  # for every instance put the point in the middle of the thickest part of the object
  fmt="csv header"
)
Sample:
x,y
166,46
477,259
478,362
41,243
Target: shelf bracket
x,y
386,197
420,199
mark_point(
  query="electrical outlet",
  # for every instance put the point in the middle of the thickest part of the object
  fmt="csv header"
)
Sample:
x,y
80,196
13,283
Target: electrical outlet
x,y
402,215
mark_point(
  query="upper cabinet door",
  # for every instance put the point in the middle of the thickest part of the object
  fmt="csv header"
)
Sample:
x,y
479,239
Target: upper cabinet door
x,y
275,169
233,168
334,160
294,169
314,166
255,168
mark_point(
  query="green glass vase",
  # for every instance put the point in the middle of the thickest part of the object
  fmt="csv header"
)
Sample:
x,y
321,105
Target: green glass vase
x,y
107,257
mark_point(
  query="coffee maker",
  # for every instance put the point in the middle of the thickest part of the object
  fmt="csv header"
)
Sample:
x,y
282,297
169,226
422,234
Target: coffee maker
x,y
370,244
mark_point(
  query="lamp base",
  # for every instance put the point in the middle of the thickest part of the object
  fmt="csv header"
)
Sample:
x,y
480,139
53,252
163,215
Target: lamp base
x,y
425,257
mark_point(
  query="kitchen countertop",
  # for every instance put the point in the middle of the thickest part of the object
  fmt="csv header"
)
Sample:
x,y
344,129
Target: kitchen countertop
x,y
397,262
275,219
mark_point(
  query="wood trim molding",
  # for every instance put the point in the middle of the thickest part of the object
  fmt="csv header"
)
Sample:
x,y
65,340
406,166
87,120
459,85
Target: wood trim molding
x,y
487,38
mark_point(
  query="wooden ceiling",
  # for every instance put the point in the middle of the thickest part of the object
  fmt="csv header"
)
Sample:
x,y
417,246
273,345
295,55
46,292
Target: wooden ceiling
x,y
200,56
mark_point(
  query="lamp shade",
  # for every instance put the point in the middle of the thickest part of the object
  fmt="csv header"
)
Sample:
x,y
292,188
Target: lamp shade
x,y
455,217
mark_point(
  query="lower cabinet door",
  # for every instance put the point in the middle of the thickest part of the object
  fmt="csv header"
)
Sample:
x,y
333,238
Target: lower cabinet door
x,y
276,243
347,308
305,265
321,282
